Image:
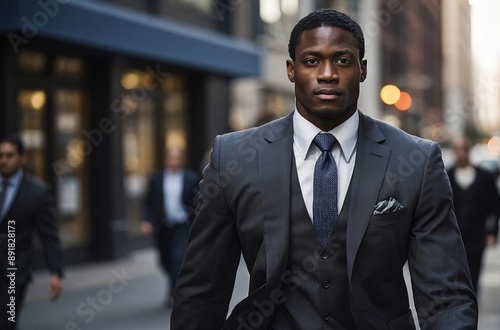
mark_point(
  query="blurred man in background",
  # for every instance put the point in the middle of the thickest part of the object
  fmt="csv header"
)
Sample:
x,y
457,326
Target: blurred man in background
x,y
168,210
476,200
26,205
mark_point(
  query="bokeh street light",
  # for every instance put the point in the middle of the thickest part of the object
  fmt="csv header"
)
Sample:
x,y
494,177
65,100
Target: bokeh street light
x,y
390,94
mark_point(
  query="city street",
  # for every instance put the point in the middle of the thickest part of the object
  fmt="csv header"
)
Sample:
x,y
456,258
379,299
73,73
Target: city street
x,y
129,294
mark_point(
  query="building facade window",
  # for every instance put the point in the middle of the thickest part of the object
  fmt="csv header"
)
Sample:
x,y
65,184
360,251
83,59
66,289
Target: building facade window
x,y
32,113
34,62
279,17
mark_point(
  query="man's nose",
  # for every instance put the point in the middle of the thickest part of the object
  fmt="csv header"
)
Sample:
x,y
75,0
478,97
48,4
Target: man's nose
x,y
328,72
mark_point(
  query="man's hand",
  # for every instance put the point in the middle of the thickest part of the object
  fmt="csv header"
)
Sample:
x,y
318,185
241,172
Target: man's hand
x,y
490,240
146,227
54,286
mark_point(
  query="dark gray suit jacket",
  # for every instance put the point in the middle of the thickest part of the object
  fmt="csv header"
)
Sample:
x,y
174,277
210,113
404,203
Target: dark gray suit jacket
x,y
32,209
244,209
154,201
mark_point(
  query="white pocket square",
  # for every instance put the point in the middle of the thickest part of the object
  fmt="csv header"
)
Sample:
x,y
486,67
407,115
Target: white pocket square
x,y
387,206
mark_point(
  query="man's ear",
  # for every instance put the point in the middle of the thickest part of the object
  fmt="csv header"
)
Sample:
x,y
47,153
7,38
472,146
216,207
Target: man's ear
x,y
290,70
364,70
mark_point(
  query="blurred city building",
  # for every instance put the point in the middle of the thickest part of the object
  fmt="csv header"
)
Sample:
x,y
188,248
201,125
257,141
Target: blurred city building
x,y
405,43
412,60
457,69
98,89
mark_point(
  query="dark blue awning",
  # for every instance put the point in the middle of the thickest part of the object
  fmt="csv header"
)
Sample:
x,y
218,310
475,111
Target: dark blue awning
x,y
115,29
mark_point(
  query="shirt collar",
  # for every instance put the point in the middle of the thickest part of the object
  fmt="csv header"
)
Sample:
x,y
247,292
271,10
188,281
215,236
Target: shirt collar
x,y
177,173
346,134
14,180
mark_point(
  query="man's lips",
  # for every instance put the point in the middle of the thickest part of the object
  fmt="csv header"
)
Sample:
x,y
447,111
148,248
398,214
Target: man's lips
x,y
327,93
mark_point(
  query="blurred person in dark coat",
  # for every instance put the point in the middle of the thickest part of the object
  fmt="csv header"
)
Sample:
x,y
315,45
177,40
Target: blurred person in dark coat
x,y
476,200
168,211
26,205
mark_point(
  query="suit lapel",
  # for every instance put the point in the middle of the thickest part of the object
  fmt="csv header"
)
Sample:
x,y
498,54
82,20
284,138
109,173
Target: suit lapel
x,y
369,172
275,161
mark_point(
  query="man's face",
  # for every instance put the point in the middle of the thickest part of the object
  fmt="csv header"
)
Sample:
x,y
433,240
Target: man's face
x,y
10,159
327,72
174,159
461,149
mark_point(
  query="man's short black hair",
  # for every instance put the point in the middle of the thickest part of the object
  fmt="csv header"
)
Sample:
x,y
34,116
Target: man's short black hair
x,y
15,140
326,17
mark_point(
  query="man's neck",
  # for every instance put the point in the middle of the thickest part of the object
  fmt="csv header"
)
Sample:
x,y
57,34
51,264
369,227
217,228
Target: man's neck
x,y
13,175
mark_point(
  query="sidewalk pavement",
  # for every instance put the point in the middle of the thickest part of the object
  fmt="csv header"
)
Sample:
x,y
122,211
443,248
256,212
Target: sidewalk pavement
x,y
128,294
489,292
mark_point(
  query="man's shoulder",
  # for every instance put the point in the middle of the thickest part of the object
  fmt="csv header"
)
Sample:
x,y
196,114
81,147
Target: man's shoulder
x,y
397,137
485,175
34,184
269,130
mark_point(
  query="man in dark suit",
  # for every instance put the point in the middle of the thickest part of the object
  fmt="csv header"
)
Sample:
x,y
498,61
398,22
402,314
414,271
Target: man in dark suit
x,y
325,228
168,212
26,205
476,200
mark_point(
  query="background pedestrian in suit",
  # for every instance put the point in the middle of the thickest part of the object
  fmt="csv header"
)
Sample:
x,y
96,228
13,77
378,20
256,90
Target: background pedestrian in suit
x,y
168,211
476,200
325,228
26,205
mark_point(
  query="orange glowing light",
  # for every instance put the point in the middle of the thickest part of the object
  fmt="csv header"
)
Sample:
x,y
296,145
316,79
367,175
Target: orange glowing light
x,y
404,102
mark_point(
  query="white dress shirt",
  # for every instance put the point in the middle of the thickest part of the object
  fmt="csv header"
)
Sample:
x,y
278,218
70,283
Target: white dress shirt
x,y
172,192
465,176
307,153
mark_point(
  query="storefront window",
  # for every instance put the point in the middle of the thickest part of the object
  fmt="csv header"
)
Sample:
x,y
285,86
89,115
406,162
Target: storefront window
x,y
175,111
69,67
32,109
31,61
72,150
52,127
139,158
156,117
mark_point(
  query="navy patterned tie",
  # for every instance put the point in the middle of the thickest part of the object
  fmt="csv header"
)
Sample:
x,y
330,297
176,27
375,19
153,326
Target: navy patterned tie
x,y
325,187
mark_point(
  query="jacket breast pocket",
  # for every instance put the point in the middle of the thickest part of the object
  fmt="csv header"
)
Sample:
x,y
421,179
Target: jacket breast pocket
x,y
388,218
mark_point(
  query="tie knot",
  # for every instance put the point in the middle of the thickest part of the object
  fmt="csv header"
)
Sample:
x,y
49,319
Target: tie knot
x,y
325,141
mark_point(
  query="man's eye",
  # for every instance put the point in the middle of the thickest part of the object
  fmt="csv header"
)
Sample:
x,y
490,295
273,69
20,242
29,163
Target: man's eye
x,y
343,61
311,61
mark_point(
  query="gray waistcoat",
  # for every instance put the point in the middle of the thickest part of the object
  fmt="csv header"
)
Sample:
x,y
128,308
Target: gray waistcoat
x,y
315,283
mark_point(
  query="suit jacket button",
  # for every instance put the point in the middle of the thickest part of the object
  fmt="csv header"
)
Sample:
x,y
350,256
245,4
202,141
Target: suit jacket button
x,y
324,255
326,284
326,316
